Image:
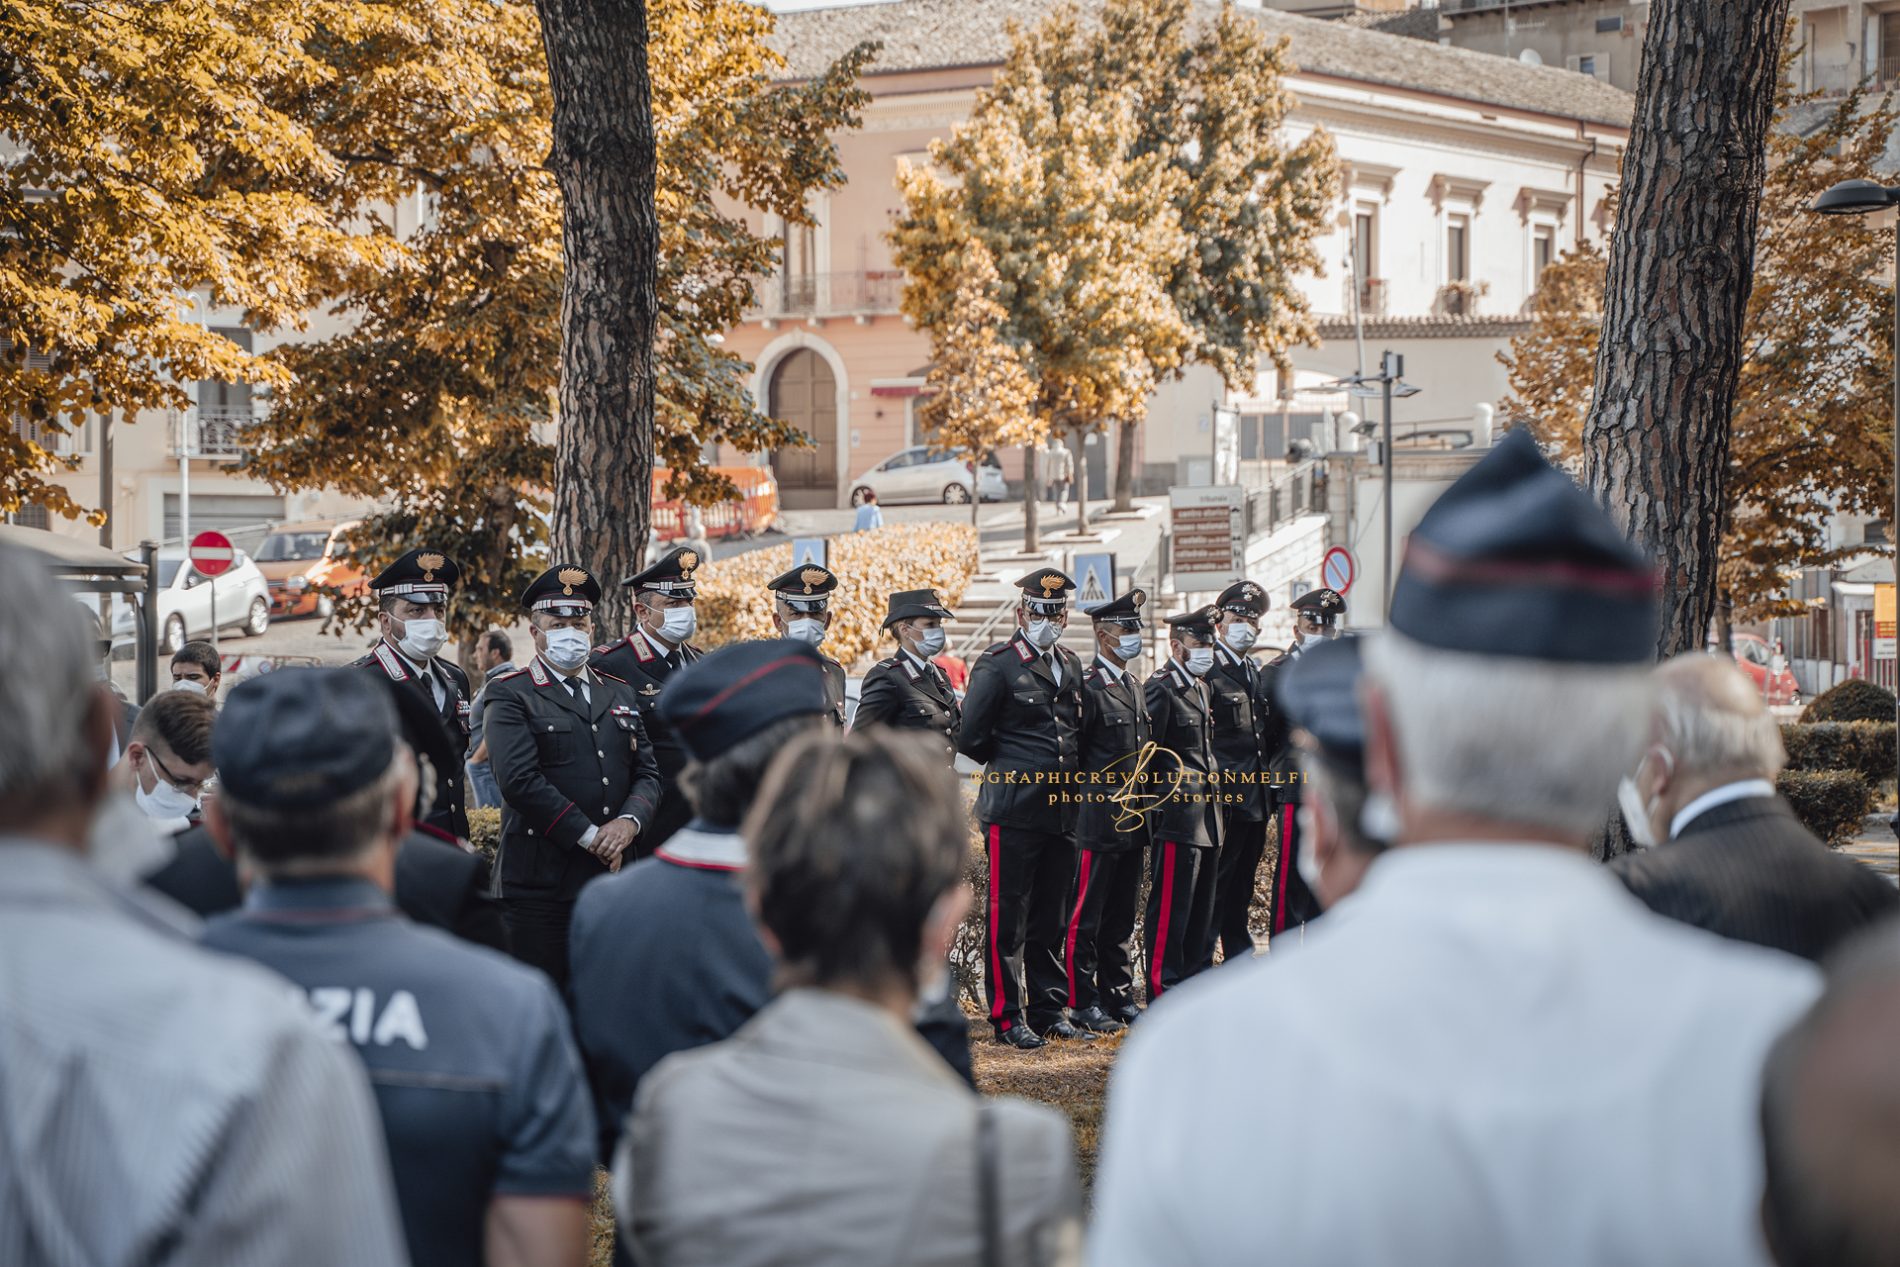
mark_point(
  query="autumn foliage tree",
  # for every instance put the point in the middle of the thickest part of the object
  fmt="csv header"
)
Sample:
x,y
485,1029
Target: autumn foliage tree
x,y
1811,426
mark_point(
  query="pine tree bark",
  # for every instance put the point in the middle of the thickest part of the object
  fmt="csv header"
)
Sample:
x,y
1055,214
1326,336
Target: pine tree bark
x,y
1125,465
1681,266
603,159
1032,500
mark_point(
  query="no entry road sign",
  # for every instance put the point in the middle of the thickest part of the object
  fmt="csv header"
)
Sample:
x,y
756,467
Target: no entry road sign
x,y
212,553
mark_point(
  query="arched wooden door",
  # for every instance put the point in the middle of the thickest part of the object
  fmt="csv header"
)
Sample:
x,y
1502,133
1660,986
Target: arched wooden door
x,y
805,394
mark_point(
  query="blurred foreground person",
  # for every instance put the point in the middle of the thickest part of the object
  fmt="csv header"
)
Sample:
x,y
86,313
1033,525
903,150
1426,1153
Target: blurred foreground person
x,y
825,1131
1830,1116
1319,694
158,1104
1490,1025
1733,858
480,1088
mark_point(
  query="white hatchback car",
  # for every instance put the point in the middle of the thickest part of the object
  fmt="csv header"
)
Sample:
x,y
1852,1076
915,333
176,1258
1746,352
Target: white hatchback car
x,y
184,601
924,473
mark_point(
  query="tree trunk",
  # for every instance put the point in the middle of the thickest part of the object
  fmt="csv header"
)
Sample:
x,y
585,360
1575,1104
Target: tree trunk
x,y
1032,500
1125,466
603,159
1724,622
1681,264
1080,485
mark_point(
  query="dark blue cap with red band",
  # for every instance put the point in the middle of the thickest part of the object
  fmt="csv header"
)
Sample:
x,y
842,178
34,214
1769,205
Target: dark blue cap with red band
x,y
1515,560
1319,692
737,691
303,738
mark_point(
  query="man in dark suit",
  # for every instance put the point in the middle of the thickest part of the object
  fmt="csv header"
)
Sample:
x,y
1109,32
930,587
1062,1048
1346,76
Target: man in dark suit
x,y
1243,735
1734,859
1187,826
909,691
659,646
579,780
801,610
412,596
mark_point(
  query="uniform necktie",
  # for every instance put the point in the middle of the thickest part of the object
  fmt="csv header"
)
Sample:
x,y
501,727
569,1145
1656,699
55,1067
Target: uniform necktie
x,y
577,688
436,689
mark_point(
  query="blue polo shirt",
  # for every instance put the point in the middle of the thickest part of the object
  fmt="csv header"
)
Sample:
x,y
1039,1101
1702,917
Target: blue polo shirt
x,y
469,1052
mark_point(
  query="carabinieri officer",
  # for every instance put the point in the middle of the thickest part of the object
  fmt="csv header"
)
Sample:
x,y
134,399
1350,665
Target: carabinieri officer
x,y
1022,715
1291,904
908,691
1187,829
665,619
483,1104
1243,739
801,610
579,782
412,596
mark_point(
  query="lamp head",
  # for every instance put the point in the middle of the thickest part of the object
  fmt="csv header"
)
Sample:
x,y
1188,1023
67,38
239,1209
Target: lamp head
x,y
1855,197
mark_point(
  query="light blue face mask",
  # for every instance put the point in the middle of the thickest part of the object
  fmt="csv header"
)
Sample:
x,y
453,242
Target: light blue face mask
x,y
1129,646
1199,660
930,643
1043,633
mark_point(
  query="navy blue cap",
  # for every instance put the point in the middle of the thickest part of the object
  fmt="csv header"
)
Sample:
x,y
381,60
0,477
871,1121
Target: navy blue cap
x,y
303,738
909,604
422,576
1243,598
566,589
1319,692
1125,607
1515,560
735,692
672,575
1200,622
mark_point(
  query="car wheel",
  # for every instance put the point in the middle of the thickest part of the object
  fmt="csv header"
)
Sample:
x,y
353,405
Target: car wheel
x,y
858,495
174,633
955,495
260,618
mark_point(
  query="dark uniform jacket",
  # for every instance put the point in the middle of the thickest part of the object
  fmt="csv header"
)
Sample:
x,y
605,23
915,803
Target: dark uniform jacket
x,y
643,665
478,1084
1281,758
1748,870
834,688
1017,720
1243,731
564,765
1114,731
1183,723
905,696
449,813
437,883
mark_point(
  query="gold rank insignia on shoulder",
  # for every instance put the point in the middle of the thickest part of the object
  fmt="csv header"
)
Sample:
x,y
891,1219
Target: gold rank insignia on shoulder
x,y
1051,584
429,563
688,561
812,577
569,578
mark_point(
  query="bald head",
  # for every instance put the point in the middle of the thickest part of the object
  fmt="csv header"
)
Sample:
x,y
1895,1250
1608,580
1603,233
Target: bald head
x,y
1830,1113
1713,722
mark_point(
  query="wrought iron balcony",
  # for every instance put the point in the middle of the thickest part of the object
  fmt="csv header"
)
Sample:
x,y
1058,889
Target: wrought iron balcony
x,y
213,432
864,292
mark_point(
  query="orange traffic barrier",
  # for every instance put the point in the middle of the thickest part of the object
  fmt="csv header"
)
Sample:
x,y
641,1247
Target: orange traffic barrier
x,y
753,511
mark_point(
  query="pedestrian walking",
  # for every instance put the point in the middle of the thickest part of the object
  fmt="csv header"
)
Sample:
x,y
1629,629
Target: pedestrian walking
x,y
1059,469
870,514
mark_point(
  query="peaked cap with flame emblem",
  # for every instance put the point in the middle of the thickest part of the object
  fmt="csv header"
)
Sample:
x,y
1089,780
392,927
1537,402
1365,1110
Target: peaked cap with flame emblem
x,y
806,588
566,589
421,576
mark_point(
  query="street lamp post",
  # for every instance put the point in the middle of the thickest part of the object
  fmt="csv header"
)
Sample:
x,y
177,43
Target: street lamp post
x,y
1388,384
1857,198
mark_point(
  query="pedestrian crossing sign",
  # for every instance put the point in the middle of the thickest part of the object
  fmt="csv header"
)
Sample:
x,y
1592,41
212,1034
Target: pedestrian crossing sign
x,y
1094,580
809,550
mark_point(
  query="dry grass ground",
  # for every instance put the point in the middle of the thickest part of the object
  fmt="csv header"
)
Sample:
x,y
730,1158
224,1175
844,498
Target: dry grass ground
x,y
1071,1076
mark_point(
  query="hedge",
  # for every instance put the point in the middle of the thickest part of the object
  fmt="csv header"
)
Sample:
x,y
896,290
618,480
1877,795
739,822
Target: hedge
x,y
484,829
1855,699
734,605
1831,803
1864,747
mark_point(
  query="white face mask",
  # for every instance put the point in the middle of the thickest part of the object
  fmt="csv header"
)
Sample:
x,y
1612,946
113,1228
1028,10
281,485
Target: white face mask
x,y
566,649
806,630
1240,637
190,687
422,637
1379,818
1129,647
1199,660
1308,857
1042,633
1635,813
930,643
164,801
678,623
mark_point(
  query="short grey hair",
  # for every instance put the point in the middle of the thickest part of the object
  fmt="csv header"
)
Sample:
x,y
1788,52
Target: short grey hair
x,y
340,832
1711,718
48,693
1507,738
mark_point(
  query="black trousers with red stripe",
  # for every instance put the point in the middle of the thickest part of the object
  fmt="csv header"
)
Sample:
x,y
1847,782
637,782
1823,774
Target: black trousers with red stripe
x,y
1099,949
1242,843
1293,903
1031,878
1180,912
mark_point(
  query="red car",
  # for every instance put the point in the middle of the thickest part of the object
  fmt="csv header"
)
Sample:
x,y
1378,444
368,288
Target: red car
x,y
1767,667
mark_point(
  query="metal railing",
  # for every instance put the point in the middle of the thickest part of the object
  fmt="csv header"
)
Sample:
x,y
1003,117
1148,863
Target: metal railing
x,y
864,291
1371,296
212,431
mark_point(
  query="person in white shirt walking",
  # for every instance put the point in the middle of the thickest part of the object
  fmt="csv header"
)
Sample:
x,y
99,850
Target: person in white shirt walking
x,y
1490,1053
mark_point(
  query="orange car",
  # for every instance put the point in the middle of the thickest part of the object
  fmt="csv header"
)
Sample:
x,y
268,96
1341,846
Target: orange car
x,y
298,560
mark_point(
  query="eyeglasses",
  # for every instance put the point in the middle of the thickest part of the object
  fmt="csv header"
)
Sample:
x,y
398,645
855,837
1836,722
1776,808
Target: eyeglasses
x,y
190,787
1038,607
808,606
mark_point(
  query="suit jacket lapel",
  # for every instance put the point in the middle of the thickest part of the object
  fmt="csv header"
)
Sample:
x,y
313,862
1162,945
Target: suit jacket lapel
x,y
1039,665
557,687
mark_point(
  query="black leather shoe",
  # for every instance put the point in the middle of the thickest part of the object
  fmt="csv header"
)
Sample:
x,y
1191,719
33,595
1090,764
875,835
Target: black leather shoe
x,y
1096,1021
1020,1037
1127,1013
1062,1029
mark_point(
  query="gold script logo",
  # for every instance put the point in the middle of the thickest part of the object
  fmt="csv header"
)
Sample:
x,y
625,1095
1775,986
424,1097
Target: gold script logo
x,y
1142,791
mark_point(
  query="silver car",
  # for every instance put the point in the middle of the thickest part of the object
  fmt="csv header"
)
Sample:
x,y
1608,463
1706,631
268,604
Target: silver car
x,y
185,599
925,473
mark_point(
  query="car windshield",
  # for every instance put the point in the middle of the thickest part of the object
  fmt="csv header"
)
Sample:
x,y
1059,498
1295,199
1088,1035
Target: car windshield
x,y
168,571
941,455
286,547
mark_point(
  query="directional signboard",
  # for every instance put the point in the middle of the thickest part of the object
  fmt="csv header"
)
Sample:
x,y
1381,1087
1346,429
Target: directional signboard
x,y
1209,540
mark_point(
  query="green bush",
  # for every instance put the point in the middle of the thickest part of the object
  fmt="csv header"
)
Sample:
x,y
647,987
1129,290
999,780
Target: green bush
x,y
484,830
1852,700
1865,747
1830,803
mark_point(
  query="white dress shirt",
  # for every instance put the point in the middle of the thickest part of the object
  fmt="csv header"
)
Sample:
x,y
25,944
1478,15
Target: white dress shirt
x,y
1740,790
1490,1054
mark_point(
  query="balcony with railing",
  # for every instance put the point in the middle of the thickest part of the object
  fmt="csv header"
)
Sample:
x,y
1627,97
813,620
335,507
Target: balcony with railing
x,y
1368,293
213,432
860,293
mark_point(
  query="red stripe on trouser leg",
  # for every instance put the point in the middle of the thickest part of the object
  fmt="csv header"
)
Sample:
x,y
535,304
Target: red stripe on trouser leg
x,y
1280,870
1075,922
1161,923
996,902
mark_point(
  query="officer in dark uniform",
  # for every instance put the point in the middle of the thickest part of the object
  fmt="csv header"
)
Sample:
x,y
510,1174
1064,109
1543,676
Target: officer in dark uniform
x,y
1111,825
1187,827
664,623
412,595
484,1107
801,610
1316,616
1242,732
908,691
1022,715
579,782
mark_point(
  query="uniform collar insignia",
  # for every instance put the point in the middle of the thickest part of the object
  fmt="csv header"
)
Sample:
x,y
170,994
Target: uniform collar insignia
x,y
391,662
